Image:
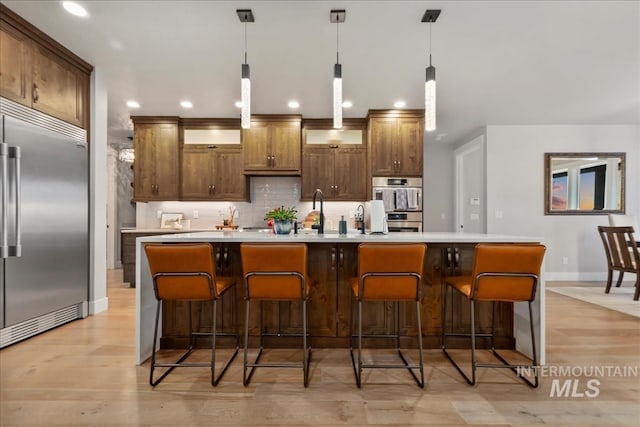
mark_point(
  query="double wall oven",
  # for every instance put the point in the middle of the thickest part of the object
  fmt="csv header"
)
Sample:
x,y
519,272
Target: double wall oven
x,y
402,199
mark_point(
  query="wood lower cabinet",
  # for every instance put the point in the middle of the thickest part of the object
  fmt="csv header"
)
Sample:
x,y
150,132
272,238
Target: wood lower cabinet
x,y
156,165
41,74
396,140
212,173
330,267
272,145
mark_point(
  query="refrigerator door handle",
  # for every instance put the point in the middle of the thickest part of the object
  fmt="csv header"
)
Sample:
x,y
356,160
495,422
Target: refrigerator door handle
x,y
4,243
16,250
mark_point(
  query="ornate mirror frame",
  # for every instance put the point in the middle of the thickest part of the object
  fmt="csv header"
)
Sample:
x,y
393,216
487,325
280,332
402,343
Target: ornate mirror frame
x,y
602,176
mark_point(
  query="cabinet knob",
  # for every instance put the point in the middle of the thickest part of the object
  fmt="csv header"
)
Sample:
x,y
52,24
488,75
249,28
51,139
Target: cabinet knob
x,y
213,189
36,95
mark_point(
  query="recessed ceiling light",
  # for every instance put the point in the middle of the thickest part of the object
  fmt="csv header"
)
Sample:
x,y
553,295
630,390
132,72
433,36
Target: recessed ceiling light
x,y
293,104
133,104
238,104
186,104
400,104
74,8
347,104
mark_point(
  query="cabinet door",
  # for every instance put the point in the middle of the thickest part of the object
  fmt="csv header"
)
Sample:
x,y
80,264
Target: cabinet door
x,y
409,146
285,146
350,174
167,165
228,181
58,87
15,65
322,308
383,141
255,147
196,176
317,172
156,166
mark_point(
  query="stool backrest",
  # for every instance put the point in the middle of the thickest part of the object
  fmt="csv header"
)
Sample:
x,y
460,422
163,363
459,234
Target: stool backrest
x,y
274,258
620,247
506,272
182,271
390,258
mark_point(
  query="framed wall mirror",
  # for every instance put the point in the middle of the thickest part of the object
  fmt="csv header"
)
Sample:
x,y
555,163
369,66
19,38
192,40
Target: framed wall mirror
x,y
584,183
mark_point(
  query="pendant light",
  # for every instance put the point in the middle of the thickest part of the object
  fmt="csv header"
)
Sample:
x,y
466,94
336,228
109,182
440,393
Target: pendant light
x,y
337,17
245,15
430,16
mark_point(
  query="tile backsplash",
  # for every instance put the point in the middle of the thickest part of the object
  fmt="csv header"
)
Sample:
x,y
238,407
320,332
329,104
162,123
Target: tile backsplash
x,y
266,193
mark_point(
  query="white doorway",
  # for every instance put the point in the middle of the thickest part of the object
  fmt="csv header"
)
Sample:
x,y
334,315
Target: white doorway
x,y
469,200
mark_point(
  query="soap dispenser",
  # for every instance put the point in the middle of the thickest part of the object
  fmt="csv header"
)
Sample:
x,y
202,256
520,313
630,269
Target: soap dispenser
x,y
342,226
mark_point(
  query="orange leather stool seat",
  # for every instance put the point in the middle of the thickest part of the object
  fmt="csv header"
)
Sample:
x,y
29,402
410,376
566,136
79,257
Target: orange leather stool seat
x,y
276,272
186,272
388,272
501,272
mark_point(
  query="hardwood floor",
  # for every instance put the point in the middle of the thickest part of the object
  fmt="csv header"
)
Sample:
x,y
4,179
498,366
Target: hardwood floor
x,y
83,373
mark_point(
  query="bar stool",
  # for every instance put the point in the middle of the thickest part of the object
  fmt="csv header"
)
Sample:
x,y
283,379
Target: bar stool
x,y
186,272
388,272
501,272
276,272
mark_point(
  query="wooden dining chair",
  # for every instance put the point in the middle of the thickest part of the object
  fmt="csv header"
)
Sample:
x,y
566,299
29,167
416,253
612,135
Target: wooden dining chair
x,y
622,251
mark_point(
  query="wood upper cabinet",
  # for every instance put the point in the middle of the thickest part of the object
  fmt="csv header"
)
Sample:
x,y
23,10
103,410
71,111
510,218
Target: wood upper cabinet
x,y
39,73
58,87
211,160
396,142
335,161
156,165
272,145
15,65
212,173
339,172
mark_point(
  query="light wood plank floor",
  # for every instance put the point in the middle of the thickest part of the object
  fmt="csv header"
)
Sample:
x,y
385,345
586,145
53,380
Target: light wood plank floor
x,y
84,374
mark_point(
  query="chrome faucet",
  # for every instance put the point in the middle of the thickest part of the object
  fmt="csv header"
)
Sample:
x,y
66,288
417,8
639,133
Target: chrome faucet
x,y
320,226
361,218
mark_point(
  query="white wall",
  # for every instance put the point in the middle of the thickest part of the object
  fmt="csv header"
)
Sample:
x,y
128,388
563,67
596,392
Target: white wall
x,y
98,195
515,187
437,198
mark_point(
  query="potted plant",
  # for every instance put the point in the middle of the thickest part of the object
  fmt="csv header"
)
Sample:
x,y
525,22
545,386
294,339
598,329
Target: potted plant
x,y
282,219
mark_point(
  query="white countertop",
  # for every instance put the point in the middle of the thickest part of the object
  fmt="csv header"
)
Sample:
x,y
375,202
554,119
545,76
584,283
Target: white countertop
x,y
252,236
163,230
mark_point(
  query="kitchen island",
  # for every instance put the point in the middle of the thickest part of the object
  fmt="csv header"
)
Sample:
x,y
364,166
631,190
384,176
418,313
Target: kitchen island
x,y
332,261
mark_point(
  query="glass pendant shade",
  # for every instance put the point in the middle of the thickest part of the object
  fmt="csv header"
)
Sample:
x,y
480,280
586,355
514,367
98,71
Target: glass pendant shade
x,y
337,96
245,98
430,99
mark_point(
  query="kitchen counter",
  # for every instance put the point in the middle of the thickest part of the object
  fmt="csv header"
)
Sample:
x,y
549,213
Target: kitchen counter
x,y
162,230
312,237
329,285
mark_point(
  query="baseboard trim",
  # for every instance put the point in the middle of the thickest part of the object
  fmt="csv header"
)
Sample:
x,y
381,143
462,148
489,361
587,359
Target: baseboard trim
x,y
584,276
98,306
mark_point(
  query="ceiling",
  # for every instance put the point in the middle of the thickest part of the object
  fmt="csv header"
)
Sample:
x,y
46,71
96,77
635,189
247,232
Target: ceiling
x,y
498,62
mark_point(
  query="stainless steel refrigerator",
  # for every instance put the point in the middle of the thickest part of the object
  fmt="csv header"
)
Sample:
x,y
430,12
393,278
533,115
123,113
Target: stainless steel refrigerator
x,y
44,241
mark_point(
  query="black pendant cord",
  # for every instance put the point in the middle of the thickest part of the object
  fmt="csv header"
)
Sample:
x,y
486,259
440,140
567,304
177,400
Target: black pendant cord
x,y
245,40
430,38
337,41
